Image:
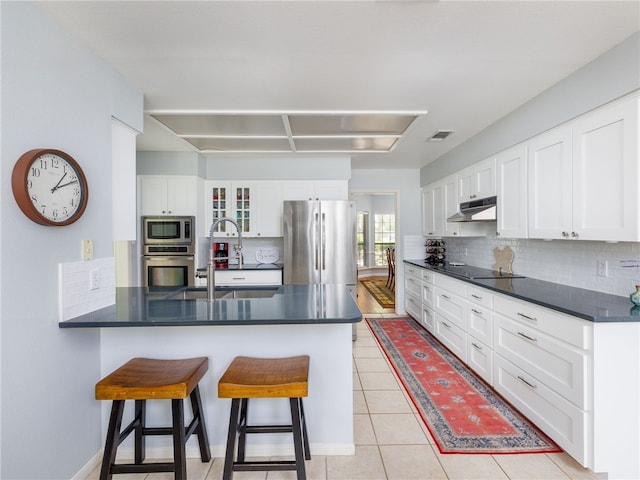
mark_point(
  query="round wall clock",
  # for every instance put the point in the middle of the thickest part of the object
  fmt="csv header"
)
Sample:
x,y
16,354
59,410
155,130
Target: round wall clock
x,y
49,187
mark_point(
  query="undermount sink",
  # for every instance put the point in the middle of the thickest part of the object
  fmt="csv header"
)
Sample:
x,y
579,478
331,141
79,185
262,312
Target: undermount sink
x,y
222,293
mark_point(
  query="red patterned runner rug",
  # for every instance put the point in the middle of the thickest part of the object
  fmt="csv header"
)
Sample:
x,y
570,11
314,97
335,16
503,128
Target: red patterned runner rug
x,y
463,414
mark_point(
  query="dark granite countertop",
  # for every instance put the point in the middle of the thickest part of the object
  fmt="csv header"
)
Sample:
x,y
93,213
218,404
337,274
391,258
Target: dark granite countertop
x,y
291,304
249,266
579,302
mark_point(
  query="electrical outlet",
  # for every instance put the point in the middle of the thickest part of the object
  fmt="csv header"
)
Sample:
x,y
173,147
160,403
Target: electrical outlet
x,y
94,279
87,250
603,268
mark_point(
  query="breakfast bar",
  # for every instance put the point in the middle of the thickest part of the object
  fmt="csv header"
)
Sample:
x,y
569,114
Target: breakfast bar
x,y
289,320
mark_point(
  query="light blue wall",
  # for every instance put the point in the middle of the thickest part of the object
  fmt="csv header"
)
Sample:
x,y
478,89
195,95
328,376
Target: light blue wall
x,y
610,76
55,93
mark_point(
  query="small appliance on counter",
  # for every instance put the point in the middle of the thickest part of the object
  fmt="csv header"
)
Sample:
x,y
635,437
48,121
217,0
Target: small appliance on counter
x,y
221,254
435,252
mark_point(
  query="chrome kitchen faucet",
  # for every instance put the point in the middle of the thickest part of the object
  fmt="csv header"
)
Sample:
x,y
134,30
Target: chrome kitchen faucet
x,y
211,266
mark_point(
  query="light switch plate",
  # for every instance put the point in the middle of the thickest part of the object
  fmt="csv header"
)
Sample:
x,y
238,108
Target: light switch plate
x,y
87,250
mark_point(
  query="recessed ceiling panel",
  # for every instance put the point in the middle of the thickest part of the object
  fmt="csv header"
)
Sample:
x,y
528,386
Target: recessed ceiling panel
x,y
380,144
241,144
365,123
222,124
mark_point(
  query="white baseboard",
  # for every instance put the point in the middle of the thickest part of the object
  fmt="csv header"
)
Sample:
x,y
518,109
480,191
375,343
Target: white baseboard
x,y
218,451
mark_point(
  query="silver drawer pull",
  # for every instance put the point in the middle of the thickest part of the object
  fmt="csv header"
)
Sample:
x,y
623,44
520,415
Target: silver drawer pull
x,y
476,296
529,384
444,296
476,311
531,339
531,319
477,347
446,325
239,278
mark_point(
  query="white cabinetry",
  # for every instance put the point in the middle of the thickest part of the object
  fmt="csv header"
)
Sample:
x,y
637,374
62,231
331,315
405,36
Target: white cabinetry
x,y
413,291
450,312
583,177
480,332
315,190
477,181
432,211
167,195
428,301
542,366
227,277
232,200
511,172
450,205
268,209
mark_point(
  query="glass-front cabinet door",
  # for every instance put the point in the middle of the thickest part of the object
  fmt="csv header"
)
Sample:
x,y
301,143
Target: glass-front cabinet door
x,y
234,201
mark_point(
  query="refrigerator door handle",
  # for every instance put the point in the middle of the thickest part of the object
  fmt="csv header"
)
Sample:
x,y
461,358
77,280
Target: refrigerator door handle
x,y
324,244
317,234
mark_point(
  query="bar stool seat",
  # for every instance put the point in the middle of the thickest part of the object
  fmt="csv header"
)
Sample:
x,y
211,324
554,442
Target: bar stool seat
x,y
143,379
248,377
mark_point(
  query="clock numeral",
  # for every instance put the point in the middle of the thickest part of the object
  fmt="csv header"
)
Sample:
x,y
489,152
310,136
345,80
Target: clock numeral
x,y
54,213
55,162
43,164
35,172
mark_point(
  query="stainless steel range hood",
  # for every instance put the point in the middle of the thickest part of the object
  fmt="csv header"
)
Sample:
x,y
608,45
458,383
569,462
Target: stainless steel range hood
x,y
482,210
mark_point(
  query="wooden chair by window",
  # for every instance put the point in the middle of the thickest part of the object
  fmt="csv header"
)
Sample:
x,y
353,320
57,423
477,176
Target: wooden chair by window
x,y
391,262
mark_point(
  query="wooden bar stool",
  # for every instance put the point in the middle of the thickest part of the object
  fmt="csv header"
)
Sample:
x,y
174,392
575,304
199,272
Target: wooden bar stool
x,y
143,379
247,378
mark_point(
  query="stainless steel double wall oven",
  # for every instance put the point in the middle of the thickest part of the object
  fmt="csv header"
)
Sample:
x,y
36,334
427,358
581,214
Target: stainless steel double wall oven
x,y
168,251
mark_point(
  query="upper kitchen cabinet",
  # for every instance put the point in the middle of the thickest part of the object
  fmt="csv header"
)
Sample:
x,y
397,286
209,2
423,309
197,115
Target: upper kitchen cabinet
x,y
583,177
511,173
269,209
231,200
450,205
167,195
606,173
315,190
432,211
477,181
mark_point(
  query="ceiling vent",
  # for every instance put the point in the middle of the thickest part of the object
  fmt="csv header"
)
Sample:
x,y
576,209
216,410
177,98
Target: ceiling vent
x,y
440,135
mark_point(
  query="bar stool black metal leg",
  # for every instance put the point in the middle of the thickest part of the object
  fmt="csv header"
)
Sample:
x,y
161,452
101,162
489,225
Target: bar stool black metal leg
x,y
305,437
113,439
139,437
297,438
242,429
201,429
179,450
227,473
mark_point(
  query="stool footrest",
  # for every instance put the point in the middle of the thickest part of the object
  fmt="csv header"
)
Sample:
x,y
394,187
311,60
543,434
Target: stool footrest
x,y
142,468
262,466
268,429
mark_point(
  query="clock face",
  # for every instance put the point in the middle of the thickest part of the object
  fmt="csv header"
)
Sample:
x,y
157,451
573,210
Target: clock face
x,y
50,187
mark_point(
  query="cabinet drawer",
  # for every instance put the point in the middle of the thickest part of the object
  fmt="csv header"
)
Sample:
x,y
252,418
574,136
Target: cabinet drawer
x,y
248,277
479,296
480,323
410,270
428,294
413,305
413,285
429,319
565,423
559,366
564,327
480,359
451,284
427,276
451,337
450,306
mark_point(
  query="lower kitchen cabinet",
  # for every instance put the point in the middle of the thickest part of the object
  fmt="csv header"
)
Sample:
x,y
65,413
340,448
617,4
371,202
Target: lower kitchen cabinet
x,y
232,277
565,374
413,291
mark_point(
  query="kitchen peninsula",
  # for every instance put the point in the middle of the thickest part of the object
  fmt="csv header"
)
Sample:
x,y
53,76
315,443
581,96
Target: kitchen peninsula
x,y
298,319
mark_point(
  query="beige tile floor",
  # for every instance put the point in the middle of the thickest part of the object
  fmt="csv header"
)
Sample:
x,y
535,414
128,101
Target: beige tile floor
x,y
392,442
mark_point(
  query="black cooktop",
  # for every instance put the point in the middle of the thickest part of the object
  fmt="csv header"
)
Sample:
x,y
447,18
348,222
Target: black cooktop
x,y
471,272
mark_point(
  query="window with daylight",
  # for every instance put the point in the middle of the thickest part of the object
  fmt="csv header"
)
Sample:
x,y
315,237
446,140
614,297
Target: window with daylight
x,y
362,227
384,232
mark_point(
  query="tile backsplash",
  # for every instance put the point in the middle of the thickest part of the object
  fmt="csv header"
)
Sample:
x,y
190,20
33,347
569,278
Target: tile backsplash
x,y
85,286
575,263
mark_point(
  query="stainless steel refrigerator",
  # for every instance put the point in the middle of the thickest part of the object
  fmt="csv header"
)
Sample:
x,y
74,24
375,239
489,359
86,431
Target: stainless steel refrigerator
x,y
320,243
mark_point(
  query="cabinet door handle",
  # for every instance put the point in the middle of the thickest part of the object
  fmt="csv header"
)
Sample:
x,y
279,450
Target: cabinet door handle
x,y
574,234
477,347
565,234
446,325
527,317
477,297
524,335
529,384
476,311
